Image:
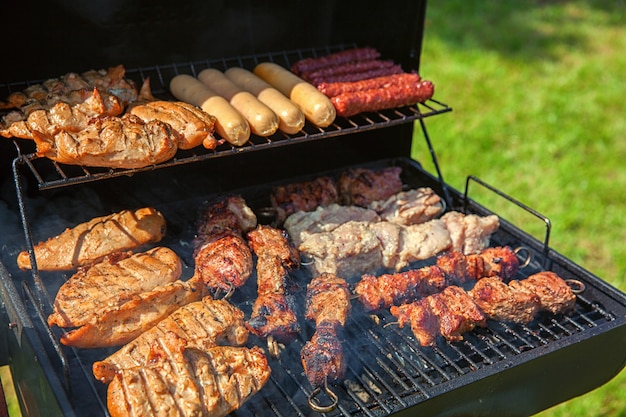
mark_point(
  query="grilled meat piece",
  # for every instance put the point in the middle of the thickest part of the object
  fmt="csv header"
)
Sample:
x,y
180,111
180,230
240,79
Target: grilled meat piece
x,y
273,312
120,323
227,213
409,207
323,357
270,241
222,256
328,305
55,90
203,324
503,302
470,233
113,281
191,125
555,296
302,225
452,268
361,186
455,311
90,241
71,115
184,381
334,59
383,291
225,262
449,313
115,142
328,299
303,196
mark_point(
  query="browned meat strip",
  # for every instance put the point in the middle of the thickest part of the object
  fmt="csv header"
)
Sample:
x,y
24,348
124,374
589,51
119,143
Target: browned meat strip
x,y
91,241
352,71
203,324
337,58
555,296
273,312
350,104
361,186
328,305
188,382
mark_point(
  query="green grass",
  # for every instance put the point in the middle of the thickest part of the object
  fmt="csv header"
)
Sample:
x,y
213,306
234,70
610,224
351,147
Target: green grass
x,y
537,90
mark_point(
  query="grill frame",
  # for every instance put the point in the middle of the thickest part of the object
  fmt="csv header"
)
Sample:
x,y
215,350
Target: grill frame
x,y
50,384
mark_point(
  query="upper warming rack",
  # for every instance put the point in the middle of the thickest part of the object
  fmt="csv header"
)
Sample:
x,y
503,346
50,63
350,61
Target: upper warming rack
x,y
50,174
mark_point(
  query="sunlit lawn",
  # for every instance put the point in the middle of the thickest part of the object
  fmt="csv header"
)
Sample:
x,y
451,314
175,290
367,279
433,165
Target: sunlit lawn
x,y
537,90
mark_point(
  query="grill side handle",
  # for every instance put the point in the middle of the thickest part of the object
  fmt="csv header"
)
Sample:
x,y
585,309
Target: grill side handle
x,y
548,224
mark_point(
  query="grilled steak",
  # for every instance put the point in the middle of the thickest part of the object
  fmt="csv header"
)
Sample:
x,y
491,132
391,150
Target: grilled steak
x,y
90,241
361,186
203,324
184,381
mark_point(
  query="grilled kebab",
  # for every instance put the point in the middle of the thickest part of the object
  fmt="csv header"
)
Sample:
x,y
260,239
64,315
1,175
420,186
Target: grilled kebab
x,y
223,260
273,312
454,311
328,306
453,268
178,380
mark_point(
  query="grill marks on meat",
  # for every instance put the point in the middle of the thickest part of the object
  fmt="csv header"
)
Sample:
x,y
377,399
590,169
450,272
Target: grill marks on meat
x,y
273,312
454,311
328,305
91,241
223,260
303,196
203,324
111,282
185,381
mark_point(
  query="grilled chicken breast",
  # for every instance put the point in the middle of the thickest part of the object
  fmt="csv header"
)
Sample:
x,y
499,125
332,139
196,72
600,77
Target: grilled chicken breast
x,y
91,241
184,381
112,282
204,324
120,323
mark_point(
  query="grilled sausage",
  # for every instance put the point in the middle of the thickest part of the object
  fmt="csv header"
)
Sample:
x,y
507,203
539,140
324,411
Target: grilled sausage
x,y
316,107
230,124
290,118
262,120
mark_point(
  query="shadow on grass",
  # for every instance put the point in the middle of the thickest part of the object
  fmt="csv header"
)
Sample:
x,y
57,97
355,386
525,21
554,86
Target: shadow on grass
x,y
528,30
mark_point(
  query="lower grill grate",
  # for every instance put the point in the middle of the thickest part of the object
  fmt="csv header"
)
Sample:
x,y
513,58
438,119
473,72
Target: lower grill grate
x,y
388,371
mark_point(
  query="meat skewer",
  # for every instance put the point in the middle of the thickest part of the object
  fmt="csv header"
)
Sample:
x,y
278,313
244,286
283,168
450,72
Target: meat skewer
x,y
222,256
273,313
455,311
452,268
328,305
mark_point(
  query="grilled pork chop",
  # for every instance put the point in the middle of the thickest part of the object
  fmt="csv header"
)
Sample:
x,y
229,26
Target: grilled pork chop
x,y
183,381
113,281
91,241
204,324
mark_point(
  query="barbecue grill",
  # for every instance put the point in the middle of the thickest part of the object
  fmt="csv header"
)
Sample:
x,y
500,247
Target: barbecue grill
x,y
503,369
